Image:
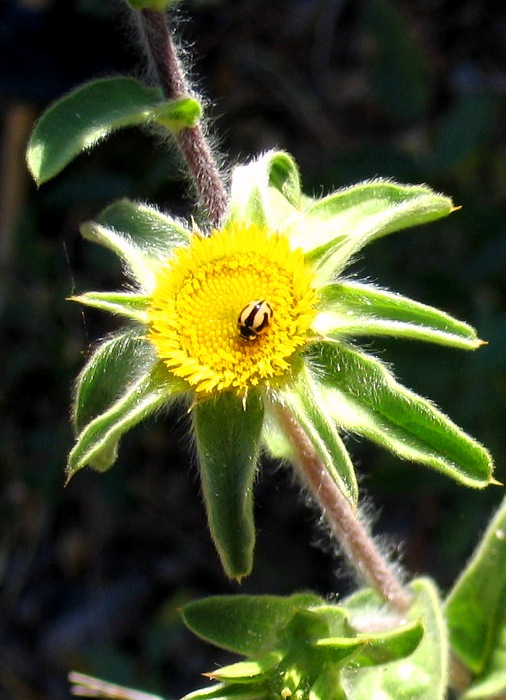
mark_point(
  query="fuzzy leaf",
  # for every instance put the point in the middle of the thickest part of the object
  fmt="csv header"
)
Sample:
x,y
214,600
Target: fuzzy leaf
x,y
355,309
132,306
93,111
246,671
344,222
152,230
227,432
140,235
149,388
390,645
266,191
476,612
309,408
341,650
115,363
363,397
420,676
248,625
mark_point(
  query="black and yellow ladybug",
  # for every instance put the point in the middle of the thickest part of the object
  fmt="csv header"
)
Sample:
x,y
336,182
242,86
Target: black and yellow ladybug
x,y
254,319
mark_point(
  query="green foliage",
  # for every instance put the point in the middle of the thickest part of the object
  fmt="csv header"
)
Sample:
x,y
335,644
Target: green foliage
x,y
152,388
92,112
248,625
363,397
370,210
305,403
421,676
305,648
140,235
476,613
357,309
227,431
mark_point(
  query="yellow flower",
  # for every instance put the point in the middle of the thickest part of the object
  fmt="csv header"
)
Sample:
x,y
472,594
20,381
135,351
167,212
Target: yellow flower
x,y
200,293
254,316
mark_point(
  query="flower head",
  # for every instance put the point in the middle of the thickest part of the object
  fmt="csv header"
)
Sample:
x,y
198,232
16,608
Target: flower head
x,y
200,294
257,314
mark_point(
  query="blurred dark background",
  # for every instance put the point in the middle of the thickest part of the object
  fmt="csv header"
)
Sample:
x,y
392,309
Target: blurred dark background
x,y
92,575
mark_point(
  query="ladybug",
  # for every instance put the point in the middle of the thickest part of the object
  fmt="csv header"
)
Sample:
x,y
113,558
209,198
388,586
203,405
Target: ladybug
x,y
254,319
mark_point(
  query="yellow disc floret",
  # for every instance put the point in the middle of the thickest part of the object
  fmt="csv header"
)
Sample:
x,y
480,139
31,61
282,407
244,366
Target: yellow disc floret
x,y
204,288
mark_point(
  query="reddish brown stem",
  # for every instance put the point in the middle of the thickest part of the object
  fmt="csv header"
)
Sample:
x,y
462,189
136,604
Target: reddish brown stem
x,y
344,521
192,141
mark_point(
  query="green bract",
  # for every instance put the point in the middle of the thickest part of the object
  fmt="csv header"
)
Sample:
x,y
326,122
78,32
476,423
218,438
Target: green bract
x,y
304,648
331,385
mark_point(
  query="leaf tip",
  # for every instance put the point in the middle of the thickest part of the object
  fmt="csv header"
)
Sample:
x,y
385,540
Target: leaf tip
x,y
209,674
494,482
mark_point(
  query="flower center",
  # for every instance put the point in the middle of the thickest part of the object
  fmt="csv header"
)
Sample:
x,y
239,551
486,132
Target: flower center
x,y
240,273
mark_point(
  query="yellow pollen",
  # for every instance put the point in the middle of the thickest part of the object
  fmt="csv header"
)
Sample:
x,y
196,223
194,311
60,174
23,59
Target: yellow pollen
x,y
200,293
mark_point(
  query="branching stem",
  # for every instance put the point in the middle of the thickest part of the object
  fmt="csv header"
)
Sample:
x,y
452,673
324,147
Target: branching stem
x,y
344,521
192,141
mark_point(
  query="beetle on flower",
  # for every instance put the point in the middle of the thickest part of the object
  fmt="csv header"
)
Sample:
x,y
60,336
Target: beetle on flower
x,y
277,263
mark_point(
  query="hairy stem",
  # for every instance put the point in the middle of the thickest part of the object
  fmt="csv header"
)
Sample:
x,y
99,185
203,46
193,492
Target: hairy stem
x,y
192,141
346,526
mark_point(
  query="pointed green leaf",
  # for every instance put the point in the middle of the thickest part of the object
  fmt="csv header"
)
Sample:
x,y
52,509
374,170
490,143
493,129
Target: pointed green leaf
x,y
140,235
247,625
115,363
265,191
132,306
309,408
341,649
420,676
363,397
93,111
97,443
227,432
476,610
355,309
155,232
246,671
344,222
390,645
